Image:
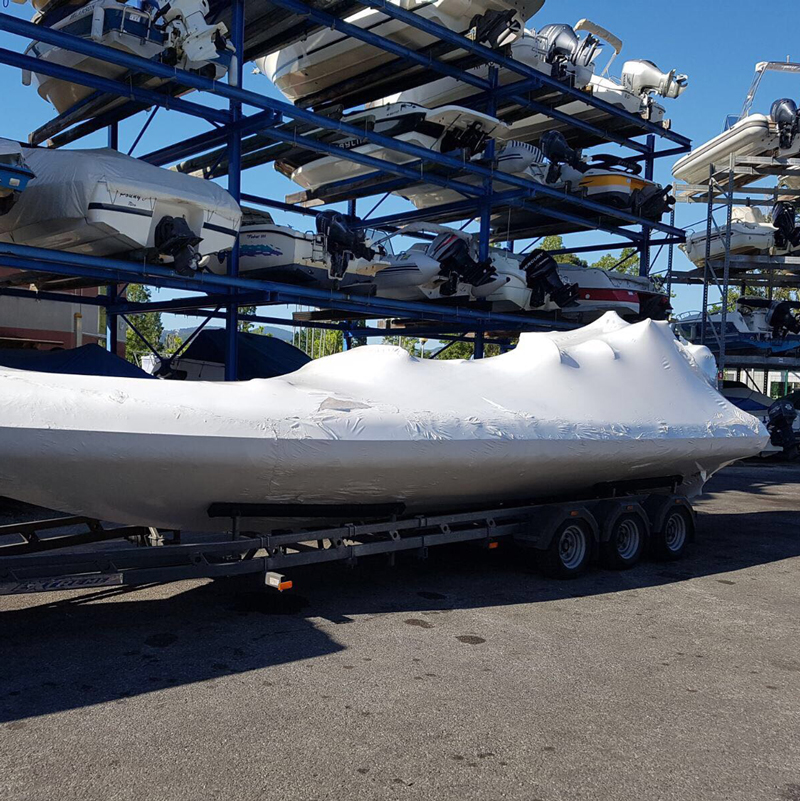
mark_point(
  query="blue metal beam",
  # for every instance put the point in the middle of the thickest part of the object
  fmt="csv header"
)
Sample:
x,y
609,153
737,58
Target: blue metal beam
x,y
114,270
107,85
236,93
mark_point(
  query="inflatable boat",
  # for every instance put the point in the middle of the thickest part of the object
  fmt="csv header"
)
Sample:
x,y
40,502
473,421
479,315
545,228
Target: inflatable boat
x,y
328,57
751,233
441,130
15,174
375,425
176,29
103,203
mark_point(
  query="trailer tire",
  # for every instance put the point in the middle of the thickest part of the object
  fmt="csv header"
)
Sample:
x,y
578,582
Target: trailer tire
x,y
626,542
570,550
675,532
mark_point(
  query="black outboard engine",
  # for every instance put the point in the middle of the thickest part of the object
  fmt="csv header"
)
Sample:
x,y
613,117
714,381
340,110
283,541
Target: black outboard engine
x,y
652,201
456,263
470,140
784,113
174,238
343,240
655,307
782,318
558,152
542,278
780,424
496,29
785,221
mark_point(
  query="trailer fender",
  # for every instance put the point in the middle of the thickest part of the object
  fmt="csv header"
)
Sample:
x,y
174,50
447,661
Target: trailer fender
x,y
658,508
608,512
538,530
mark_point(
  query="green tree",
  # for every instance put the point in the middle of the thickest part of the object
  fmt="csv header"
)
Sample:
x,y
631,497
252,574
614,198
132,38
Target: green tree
x,y
465,349
149,325
318,342
626,261
557,243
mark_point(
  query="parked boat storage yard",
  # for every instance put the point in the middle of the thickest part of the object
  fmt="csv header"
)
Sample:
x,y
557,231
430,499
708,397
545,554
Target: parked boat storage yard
x,y
563,568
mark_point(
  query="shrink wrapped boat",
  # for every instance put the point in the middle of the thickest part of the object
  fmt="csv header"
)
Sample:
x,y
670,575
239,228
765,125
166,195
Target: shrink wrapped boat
x,y
103,203
14,174
375,425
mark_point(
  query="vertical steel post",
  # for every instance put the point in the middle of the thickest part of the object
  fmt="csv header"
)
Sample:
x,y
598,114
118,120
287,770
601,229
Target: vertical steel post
x,y
726,271
706,266
478,354
234,185
112,334
670,257
644,247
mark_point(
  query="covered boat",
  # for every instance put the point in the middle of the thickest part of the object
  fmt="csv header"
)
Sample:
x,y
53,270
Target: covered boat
x,y
174,32
14,174
441,130
328,57
103,203
375,425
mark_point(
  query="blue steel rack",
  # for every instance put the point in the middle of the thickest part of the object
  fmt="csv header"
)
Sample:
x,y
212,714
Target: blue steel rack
x,y
237,135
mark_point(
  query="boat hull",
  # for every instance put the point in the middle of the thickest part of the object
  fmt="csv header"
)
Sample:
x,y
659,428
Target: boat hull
x,y
375,425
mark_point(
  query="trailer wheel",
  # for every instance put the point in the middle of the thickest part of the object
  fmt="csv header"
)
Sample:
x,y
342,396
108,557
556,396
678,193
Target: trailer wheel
x,y
570,550
626,543
669,543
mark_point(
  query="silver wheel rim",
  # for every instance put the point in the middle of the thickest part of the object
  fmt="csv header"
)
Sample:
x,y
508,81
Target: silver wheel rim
x,y
572,547
675,532
628,539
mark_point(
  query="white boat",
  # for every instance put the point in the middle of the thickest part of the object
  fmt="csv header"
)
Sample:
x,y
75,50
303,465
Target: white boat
x,y
177,29
558,51
328,57
751,233
554,50
376,425
612,181
774,135
335,255
14,174
443,129
103,203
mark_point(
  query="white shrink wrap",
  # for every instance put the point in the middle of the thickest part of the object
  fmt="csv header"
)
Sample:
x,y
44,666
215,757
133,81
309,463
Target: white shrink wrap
x,y
557,415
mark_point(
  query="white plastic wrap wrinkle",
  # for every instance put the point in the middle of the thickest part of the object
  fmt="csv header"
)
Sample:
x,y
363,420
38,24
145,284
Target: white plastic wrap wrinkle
x,y
558,414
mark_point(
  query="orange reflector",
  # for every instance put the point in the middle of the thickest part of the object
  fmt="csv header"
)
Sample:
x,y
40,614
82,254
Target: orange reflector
x,y
629,508
285,585
493,545
573,514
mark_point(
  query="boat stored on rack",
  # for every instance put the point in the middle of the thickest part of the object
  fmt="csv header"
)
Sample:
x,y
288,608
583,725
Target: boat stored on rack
x,y
173,32
328,57
375,427
14,174
101,203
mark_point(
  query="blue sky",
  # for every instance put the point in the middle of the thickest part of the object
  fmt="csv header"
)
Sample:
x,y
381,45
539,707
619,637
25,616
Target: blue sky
x,y
716,42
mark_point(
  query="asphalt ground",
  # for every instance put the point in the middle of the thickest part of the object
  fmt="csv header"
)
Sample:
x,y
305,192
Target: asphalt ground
x,y
468,676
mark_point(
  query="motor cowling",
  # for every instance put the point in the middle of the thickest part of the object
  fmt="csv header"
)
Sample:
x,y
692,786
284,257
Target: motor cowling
x,y
652,201
562,44
780,424
496,29
785,115
784,218
544,281
457,264
173,237
782,319
642,77
343,240
655,307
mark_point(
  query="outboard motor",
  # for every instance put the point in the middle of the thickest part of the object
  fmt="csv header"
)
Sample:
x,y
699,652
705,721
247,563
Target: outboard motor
x,y
456,263
652,201
642,77
562,46
782,319
558,152
785,221
784,113
174,238
542,278
343,240
470,140
496,29
780,424
655,307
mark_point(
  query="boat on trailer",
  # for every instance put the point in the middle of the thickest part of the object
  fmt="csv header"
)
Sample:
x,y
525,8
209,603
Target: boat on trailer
x,y
103,203
775,135
328,57
173,32
559,51
442,130
375,425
